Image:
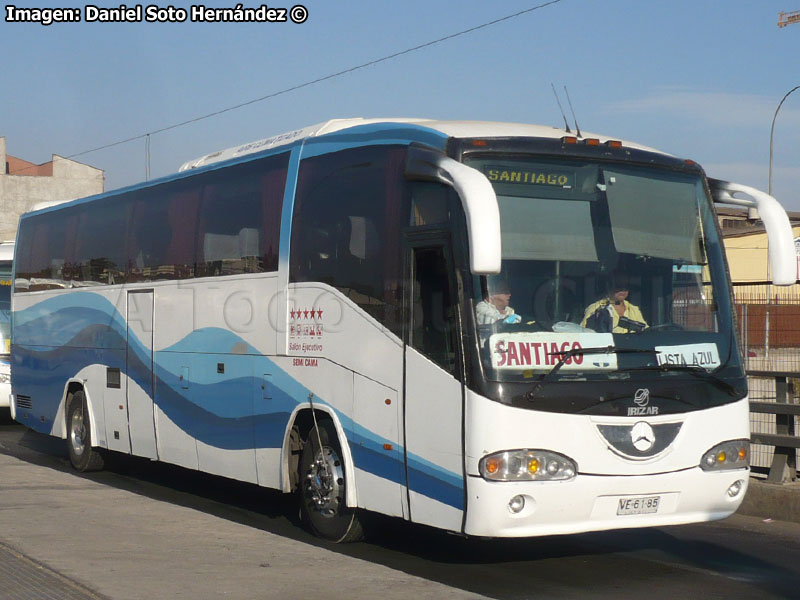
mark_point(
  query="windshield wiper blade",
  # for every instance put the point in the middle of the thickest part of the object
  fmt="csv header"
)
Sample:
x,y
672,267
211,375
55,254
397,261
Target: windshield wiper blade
x,y
695,370
547,377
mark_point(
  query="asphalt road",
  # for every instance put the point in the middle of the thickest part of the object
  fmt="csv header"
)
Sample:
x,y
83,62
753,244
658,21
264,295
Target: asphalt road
x,y
742,557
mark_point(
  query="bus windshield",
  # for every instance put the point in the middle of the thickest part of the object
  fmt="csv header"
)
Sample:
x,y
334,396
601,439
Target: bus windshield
x,y
619,264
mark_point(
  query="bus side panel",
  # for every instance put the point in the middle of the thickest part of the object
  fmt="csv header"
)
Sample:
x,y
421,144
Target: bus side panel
x,y
378,450
174,411
325,324
277,397
243,305
326,386
434,444
209,337
62,336
227,390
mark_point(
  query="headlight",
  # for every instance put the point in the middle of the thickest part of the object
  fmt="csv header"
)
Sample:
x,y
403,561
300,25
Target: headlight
x,y
527,465
727,455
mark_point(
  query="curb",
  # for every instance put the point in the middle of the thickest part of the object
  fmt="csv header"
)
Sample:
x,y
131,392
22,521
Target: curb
x,y
778,501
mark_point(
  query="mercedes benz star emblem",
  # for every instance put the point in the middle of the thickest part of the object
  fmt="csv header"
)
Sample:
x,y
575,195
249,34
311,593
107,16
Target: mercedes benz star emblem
x,y
643,436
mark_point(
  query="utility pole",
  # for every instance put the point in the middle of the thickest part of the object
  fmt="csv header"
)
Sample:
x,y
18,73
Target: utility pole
x,y
772,133
785,19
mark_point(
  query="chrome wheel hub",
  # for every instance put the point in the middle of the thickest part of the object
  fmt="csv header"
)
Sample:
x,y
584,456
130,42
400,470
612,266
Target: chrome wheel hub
x,y
77,435
325,482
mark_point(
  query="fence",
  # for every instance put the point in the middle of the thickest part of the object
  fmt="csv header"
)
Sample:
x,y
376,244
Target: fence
x,y
773,425
769,333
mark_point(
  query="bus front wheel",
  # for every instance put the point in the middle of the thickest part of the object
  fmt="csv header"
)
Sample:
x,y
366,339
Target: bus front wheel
x,y
79,436
323,485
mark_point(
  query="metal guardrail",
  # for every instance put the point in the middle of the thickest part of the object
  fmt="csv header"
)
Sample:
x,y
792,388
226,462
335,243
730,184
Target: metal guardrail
x,y
785,440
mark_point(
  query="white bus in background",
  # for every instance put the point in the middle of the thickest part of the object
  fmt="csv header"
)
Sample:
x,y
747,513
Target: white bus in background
x,y
308,313
6,262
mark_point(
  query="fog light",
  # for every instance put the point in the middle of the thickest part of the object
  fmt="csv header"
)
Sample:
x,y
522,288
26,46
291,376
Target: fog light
x,y
517,503
736,488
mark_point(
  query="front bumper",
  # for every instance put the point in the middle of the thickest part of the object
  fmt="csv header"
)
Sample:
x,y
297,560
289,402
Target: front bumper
x,y
590,503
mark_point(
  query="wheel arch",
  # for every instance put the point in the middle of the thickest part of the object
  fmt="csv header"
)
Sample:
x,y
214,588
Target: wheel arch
x,y
302,418
70,387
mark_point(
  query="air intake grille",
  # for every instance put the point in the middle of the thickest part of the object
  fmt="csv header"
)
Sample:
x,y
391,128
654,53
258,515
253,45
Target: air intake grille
x,y
640,440
24,402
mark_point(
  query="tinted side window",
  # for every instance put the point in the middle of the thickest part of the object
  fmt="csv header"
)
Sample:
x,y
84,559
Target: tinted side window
x,y
432,316
430,204
44,251
346,227
161,244
239,223
22,255
100,242
161,232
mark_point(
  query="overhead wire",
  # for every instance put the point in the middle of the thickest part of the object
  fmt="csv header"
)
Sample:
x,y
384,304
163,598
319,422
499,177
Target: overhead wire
x,y
306,84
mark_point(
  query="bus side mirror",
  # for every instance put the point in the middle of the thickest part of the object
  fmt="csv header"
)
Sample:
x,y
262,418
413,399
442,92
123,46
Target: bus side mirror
x,y
477,197
782,255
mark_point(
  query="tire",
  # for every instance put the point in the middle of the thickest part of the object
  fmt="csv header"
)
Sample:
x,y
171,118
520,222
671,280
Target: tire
x,y
79,436
323,487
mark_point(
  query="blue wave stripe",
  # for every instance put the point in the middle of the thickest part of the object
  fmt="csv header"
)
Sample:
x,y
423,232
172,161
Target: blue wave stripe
x,y
60,336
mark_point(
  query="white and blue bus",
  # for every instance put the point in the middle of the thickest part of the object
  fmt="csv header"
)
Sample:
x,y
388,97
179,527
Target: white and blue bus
x,y
6,264
329,312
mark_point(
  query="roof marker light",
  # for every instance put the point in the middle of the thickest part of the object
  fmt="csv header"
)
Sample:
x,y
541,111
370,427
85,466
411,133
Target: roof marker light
x,y
479,142
614,144
568,139
592,142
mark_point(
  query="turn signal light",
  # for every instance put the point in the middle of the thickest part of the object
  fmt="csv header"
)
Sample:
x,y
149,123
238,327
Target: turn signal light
x,y
527,465
492,465
734,454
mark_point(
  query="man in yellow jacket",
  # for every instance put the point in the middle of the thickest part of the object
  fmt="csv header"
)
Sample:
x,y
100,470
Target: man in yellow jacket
x,y
615,314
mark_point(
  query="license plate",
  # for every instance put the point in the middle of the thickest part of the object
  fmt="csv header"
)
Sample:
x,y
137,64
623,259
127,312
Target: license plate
x,y
641,505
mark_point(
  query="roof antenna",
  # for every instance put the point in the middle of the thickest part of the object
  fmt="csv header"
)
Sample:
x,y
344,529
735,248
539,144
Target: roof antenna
x,y
566,125
574,118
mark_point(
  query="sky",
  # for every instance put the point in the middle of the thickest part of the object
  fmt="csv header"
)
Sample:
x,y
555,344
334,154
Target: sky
x,y
698,79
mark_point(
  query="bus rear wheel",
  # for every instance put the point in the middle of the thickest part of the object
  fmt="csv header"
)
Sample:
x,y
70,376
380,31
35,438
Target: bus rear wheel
x,y
323,486
79,436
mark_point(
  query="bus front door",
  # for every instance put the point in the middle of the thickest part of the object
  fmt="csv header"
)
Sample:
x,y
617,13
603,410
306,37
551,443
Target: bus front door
x,y
139,367
433,392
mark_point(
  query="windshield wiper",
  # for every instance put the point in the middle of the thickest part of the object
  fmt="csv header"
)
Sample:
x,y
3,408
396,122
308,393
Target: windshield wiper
x,y
695,370
547,377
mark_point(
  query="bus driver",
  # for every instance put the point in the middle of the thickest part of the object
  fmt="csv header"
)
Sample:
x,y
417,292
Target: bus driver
x,y
495,305
614,314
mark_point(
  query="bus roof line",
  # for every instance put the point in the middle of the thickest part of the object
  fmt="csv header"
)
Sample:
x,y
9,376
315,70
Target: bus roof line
x,y
424,134
456,129
306,133
428,131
